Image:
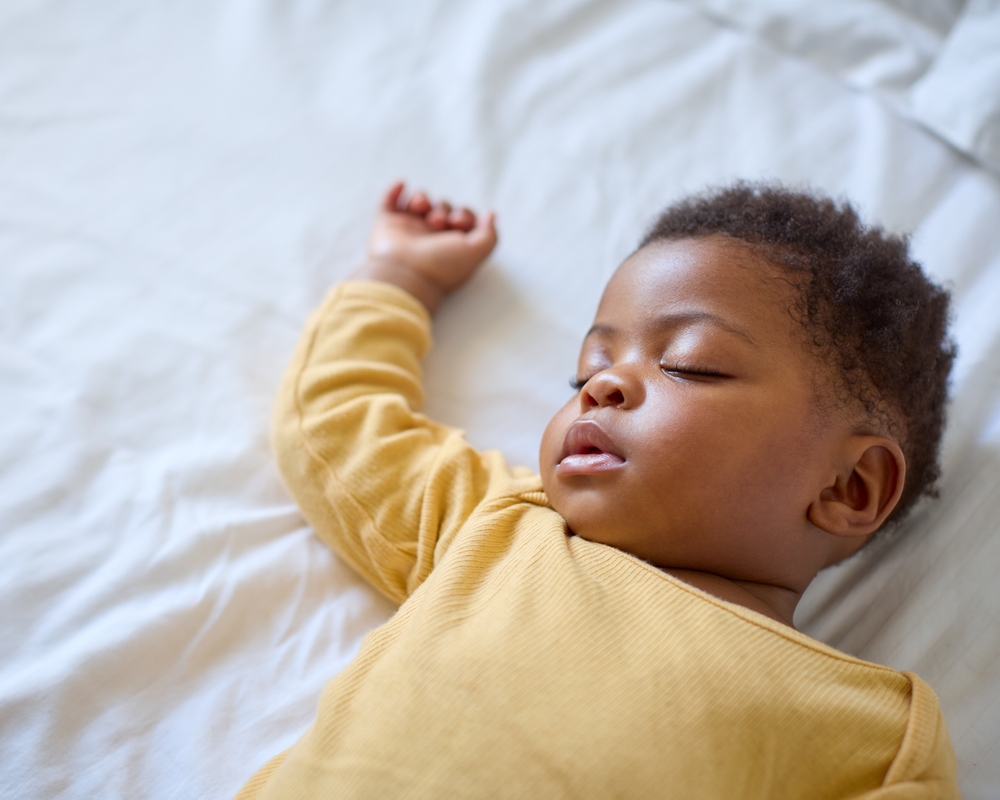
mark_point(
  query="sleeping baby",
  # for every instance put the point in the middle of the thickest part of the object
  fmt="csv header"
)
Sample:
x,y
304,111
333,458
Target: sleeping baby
x,y
761,393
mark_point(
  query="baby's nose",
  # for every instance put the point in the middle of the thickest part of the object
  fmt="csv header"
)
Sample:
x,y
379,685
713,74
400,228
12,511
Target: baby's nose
x,y
605,389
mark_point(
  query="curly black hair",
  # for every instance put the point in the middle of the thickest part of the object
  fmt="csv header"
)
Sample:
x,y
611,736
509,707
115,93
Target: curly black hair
x,y
866,307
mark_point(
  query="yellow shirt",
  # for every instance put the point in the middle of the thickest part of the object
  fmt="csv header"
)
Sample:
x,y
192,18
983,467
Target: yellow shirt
x,y
525,662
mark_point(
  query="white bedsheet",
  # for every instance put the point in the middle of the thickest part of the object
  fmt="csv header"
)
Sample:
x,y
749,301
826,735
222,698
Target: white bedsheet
x,y
936,62
180,182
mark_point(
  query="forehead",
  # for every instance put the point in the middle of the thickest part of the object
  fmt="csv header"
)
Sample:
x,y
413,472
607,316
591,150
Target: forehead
x,y
712,280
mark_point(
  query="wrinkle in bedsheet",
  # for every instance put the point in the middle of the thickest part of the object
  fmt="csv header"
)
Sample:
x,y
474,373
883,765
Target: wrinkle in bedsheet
x,y
935,62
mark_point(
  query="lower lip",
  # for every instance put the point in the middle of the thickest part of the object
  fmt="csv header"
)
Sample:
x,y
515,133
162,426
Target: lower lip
x,y
589,463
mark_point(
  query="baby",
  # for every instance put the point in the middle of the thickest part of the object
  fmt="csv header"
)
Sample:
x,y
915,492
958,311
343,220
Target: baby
x,y
762,391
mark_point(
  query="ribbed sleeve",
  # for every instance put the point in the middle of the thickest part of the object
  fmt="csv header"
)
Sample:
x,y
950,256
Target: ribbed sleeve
x,y
382,485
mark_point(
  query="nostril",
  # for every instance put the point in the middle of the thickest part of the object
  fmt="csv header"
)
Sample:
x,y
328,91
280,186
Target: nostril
x,y
602,390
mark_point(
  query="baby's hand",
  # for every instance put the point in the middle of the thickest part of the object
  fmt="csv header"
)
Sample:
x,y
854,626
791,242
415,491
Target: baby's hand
x,y
427,248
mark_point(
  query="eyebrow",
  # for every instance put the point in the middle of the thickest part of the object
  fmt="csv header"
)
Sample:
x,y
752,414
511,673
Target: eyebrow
x,y
687,317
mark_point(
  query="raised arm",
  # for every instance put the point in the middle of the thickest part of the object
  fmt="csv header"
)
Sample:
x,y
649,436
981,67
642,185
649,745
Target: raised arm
x,y
429,250
384,486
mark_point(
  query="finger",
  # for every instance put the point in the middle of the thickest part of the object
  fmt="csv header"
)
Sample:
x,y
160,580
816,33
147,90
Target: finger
x,y
483,238
436,219
445,207
391,200
463,219
419,204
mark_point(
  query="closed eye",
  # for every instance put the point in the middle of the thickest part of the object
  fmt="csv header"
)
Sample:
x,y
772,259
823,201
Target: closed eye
x,y
681,370
691,371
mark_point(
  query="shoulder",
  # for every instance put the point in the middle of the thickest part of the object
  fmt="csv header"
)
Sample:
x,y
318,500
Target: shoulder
x,y
926,756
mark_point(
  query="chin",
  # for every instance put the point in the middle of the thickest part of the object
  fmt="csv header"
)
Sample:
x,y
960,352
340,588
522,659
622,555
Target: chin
x,y
599,534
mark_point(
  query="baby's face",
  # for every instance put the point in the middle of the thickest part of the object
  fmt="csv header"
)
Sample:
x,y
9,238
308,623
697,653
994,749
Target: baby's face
x,y
695,441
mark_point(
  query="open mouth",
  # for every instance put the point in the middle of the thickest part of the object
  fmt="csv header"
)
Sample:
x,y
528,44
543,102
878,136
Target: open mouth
x,y
587,449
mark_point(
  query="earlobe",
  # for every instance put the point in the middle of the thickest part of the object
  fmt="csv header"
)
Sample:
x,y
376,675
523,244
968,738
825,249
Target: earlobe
x,y
861,495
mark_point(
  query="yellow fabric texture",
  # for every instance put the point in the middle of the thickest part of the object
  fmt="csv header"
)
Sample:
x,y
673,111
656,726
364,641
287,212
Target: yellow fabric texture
x,y
526,662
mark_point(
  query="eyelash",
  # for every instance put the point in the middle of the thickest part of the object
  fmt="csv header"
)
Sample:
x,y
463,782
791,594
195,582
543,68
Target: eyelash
x,y
576,384
684,369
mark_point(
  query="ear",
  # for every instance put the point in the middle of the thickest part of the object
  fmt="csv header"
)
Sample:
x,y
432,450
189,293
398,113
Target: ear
x,y
864,492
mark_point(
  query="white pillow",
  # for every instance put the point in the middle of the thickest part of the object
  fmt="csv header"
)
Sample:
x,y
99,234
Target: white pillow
x,y
871,44
959,96
933,61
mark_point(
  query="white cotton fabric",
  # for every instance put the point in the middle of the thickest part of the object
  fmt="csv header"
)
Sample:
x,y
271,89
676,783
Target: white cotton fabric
x,y
936,62
870,43
959,96
181,181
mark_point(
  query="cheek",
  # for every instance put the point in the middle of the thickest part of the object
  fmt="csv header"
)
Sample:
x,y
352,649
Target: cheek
x,y
555,433
757,451
684,425
711,441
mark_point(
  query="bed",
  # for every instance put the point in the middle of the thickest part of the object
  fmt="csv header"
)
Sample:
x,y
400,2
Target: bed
x,y
181,181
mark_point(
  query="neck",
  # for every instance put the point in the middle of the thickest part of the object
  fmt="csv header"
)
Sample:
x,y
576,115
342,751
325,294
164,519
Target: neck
x,y
774,601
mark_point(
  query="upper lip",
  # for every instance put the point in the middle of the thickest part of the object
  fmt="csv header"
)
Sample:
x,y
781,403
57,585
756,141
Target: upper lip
x,y
586,436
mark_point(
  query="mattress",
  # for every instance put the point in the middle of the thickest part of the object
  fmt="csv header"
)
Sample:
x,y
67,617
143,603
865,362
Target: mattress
x,y
181,181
